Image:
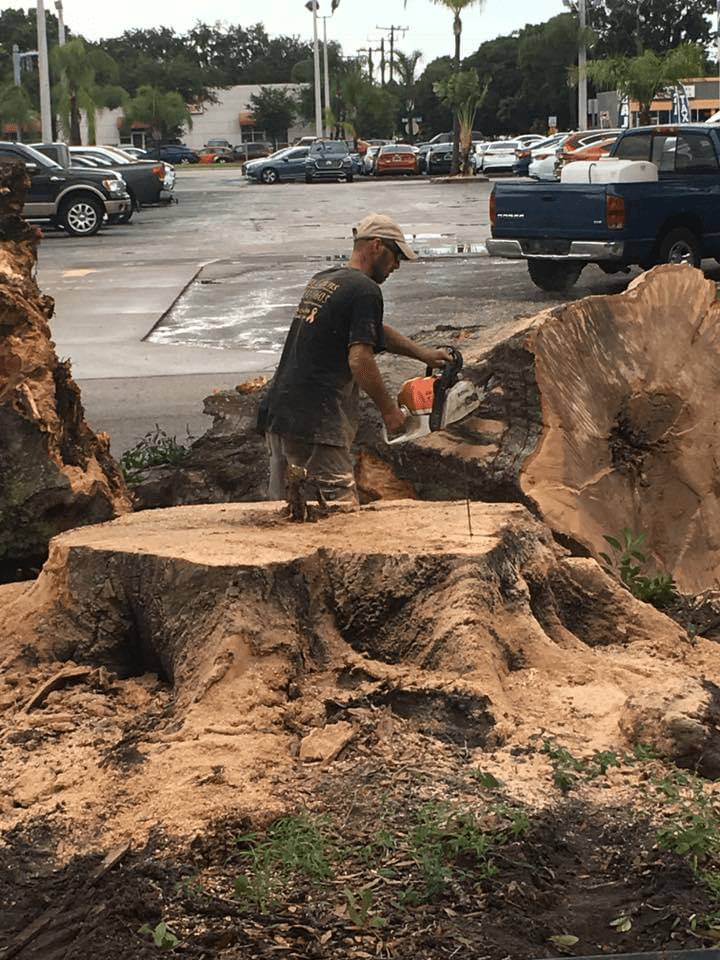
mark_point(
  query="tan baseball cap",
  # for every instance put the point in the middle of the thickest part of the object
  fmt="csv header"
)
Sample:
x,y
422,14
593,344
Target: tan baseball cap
x,y
382,227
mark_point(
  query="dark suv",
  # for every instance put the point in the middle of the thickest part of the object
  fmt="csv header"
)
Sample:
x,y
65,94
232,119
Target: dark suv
x,y
76,200
329,160
172,153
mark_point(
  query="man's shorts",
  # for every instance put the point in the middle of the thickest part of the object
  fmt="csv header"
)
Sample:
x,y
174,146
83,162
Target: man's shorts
x,y
330,468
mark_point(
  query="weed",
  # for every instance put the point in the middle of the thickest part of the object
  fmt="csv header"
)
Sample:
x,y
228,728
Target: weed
x,y
192,889
163,939
155,449
292,845
485,779
359,910
622,924
380,844
440,838
565,767
659,590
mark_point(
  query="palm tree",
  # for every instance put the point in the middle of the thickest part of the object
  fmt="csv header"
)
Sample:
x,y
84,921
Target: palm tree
x,y
16,107
405,67
457,6
79,66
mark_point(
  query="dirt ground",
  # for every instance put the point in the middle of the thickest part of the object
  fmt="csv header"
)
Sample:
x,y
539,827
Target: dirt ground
x,y
350,807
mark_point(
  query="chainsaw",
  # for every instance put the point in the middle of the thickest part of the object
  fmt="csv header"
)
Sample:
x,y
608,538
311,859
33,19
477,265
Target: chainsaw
x,y
432,402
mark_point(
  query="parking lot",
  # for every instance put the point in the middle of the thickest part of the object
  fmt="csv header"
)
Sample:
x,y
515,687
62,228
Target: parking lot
x,y
232,257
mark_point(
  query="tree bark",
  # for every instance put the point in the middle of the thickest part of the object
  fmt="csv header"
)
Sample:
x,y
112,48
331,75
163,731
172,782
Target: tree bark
x,y
55,473
598,415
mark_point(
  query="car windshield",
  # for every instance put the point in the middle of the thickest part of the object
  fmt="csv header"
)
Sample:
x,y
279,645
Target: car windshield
x,y
397,148
329,146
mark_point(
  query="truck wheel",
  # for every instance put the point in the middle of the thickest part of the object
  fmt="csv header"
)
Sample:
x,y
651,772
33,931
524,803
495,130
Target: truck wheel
x,y
680,246
81,216
554,275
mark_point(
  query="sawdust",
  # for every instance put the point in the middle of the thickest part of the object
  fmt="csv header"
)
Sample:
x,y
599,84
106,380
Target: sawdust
x,y
386,638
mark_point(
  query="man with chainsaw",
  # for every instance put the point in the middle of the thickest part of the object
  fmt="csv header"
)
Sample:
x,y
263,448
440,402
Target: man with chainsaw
x,y
310,413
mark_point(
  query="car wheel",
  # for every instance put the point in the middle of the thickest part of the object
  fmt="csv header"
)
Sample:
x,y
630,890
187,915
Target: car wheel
x,y
554,275
269,175
680,246
81,216
222,160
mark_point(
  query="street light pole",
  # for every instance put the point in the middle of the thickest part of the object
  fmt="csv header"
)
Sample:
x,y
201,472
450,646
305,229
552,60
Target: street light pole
x,y
325,66
44,75
61,23
582,75
313,5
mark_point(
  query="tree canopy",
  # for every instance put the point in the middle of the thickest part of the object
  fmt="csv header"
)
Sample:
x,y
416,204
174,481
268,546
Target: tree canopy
x,y
530,74
643,78
628,28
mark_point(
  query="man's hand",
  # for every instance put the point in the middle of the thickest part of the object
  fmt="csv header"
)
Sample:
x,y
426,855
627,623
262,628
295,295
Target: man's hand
x,y
436,356
394,421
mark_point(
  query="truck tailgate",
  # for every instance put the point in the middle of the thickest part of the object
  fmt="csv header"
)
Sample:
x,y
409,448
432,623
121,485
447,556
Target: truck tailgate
x,y
549,210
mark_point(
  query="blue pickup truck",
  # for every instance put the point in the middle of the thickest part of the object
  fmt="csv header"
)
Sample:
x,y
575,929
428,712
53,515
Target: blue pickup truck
x,y
656,199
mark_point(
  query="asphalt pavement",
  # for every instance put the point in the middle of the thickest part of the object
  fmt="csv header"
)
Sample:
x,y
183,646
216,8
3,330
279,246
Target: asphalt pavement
x,y
112,290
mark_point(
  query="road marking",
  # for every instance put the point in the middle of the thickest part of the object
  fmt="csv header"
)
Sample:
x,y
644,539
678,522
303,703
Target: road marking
x,y
77,273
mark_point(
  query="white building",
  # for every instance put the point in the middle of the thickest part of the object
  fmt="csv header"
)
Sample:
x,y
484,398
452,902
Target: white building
x,y
230,118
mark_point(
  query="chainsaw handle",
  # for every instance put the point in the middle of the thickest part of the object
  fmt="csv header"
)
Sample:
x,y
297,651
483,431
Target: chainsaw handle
x,y
455,365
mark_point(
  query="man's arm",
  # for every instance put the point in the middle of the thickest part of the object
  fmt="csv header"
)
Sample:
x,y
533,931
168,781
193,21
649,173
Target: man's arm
x,y
403,346
366,374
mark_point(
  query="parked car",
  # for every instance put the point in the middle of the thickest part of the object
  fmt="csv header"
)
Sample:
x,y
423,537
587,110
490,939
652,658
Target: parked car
x,y
148,182
529,139
499,156
438,158
370,156
75,200
252,150
525,153
580,141
594,151
329,160
543,161
175,153
478,152
287,164
396,158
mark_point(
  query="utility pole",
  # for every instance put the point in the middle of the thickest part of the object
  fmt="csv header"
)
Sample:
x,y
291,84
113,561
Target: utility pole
x,y
370,51
44,75
391,30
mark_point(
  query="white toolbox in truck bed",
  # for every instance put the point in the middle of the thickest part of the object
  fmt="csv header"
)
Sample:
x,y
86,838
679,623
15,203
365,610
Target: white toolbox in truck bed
x,y
609,170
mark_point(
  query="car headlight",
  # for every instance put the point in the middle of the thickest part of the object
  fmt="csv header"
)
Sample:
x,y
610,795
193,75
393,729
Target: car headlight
x,y
114,186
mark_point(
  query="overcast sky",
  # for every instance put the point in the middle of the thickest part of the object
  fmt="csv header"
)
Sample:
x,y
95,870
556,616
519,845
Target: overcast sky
x,y
420,25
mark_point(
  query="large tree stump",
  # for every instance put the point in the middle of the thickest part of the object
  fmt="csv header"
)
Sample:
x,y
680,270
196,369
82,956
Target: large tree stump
x,y
55,473
599,415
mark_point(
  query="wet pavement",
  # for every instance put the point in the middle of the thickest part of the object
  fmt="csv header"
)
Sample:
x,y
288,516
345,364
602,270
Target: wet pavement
x,y
196,296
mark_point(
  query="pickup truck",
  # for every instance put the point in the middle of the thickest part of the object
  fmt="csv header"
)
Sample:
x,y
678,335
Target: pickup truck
x,y
75,200
655,199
